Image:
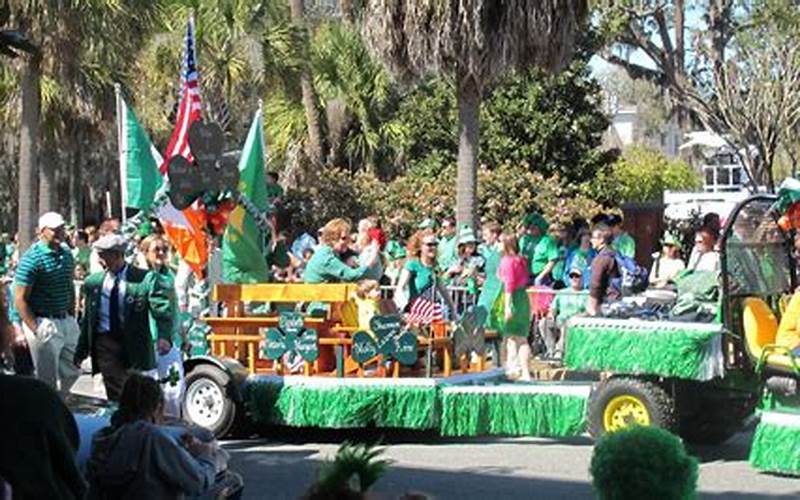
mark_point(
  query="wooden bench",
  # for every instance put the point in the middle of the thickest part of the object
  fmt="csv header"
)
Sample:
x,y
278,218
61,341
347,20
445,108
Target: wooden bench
x,y
238,335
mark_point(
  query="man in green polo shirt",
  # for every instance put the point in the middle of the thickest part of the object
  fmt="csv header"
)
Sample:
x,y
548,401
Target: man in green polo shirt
x,y
448,244
44,296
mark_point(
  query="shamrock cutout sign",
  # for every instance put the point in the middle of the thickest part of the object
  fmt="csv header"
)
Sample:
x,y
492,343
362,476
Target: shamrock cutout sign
x,y
389,340
469,332
209,173
291,337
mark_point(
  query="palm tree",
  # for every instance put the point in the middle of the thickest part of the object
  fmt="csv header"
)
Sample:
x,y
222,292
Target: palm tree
x,y
314,147
475,41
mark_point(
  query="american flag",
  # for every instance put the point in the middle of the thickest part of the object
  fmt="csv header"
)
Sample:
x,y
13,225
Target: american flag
x,y
189,108
426,308
186,229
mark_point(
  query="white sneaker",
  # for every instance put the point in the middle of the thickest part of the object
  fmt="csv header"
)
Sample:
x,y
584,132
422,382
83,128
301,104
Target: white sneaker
x,y
525,377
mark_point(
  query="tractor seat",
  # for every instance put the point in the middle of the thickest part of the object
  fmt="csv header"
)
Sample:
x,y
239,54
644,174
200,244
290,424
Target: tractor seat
x,y
760,330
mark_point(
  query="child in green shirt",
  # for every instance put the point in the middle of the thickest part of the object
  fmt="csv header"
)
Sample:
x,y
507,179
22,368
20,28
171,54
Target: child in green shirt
x,y
566,304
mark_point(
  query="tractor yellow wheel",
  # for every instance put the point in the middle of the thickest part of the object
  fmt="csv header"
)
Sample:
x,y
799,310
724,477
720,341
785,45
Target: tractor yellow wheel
x,y
620,402
623,411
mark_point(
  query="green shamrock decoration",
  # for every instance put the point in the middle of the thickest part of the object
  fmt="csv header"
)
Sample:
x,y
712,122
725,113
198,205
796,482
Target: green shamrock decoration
x,y
291,337
469,332
390,340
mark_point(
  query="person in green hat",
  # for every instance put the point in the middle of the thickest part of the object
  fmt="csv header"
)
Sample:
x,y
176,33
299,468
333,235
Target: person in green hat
x,y
395,255
668,264
532,228
448,241
468,269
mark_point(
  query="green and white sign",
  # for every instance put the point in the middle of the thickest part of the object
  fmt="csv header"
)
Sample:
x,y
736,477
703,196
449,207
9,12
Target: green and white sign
x,y
389,340
291,337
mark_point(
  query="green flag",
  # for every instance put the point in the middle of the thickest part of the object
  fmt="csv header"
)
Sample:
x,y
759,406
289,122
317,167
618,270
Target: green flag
x,y
243,244
139,161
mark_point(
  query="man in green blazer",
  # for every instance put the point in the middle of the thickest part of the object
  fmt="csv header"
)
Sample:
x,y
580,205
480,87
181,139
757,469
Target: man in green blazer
x,y
118,305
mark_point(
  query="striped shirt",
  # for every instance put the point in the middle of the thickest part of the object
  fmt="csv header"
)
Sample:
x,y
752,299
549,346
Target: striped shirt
x,y
49,274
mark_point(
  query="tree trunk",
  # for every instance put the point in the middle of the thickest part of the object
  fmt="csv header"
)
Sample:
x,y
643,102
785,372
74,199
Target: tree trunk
x,y
314,146
346,7
469,101
75,190
48,183
30,83
680,64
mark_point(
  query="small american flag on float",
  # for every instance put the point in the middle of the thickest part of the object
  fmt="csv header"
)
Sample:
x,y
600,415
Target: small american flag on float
x,y
425,309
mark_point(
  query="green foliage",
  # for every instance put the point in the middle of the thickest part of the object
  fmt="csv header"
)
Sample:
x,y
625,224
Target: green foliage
x,y
553,124
643,462
642,175
354,470
505,194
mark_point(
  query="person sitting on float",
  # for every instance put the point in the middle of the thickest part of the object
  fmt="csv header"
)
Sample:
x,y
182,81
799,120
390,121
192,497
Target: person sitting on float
x,y
704,257
419,271
468,269
668,264
789,328
325,266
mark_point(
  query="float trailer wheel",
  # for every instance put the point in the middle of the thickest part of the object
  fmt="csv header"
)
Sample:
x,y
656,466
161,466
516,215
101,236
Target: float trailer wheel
x,y
207,402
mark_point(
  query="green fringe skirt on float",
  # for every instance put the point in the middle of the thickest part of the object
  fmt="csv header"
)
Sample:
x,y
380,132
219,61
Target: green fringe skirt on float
x,y
342,403
461,405
776,443
670,349
545,409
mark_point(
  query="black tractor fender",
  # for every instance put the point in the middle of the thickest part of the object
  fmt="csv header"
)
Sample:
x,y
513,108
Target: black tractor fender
x,y
236,372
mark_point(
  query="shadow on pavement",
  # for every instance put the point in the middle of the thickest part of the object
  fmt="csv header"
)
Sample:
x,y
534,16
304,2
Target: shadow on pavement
x,y
282,476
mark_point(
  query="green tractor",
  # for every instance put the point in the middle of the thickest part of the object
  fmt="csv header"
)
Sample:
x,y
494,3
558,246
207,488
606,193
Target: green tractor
x,y
704,381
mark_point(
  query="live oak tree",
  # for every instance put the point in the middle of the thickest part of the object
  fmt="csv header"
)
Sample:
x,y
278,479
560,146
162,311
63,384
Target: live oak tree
x,y
474,41
742,82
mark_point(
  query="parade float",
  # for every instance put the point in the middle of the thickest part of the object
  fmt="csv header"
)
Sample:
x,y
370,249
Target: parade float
x,y
295,355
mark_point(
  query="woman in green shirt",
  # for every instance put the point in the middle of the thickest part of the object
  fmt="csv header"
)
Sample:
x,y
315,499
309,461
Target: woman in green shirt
x,y
325,265
419,271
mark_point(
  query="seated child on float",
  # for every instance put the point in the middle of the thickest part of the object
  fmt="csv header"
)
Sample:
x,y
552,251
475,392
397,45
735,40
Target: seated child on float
x,y
566,304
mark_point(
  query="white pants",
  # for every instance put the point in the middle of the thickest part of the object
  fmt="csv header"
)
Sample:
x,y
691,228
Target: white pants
x,y
53,346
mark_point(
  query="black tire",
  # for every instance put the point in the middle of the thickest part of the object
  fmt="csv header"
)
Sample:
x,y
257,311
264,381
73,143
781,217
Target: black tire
x,y
659,405
207,402
708,430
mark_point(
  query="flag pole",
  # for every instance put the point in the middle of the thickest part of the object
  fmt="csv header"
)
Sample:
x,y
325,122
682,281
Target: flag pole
x,y
123,174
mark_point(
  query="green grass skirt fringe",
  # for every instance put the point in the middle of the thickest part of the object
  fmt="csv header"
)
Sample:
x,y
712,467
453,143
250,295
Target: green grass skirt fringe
x,y
343,405
670,349
473,411
776,444
458,406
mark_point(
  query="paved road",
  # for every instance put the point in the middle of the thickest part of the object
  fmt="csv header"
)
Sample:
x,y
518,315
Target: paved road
x,y
282,463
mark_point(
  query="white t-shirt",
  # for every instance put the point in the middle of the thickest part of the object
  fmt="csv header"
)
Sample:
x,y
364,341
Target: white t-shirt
x,y
665,269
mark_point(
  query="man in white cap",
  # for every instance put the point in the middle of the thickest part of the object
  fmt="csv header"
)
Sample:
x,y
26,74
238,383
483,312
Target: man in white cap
x,y
115,328
45,298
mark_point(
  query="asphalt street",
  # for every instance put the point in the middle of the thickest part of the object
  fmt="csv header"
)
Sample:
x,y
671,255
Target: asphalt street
x,y
281,463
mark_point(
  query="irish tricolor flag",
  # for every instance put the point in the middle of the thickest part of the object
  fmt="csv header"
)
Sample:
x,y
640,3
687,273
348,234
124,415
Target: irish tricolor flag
x,y
138,161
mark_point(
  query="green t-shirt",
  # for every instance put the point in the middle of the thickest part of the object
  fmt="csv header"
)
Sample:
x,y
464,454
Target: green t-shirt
x,y
546,250
527,246
274,191
421,277
446,252
326,267
568,303
625,245
82,256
